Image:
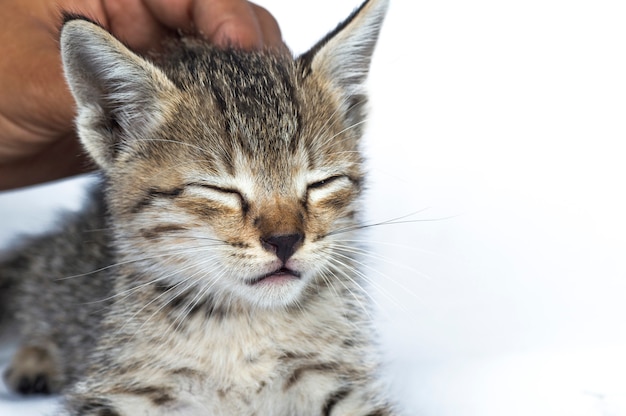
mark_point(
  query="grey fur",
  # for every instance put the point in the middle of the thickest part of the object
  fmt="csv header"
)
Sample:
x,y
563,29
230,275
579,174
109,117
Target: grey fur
x,y
212,272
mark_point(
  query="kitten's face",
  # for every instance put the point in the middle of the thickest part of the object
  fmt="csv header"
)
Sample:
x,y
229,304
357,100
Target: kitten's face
x,y
242,198
231,174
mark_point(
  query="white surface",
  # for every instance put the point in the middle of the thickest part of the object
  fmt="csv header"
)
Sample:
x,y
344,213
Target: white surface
x,y
509,117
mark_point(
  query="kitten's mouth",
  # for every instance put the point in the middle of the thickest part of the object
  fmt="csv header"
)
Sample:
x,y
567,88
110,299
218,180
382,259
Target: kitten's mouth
x,y
277,276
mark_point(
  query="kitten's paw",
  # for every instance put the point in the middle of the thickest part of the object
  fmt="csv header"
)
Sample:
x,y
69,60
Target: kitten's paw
x,y
33,371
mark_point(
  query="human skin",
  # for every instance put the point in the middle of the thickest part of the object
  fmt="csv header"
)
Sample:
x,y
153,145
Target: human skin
x,y
37,138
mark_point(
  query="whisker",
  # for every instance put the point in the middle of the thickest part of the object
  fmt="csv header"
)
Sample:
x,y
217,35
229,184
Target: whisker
x,y
125,262
395,221
388,260
377,286
368,242
201,294
340,269
213,256
166,292
372,282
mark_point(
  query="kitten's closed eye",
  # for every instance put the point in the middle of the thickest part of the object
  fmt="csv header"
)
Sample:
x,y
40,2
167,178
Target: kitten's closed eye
x,y
326,181
333,192
222,194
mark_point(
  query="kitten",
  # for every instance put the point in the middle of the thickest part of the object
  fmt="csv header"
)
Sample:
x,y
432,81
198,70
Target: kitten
x,y
214,270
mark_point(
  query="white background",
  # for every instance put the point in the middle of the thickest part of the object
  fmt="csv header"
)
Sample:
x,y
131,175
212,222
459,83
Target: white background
x,y
501,123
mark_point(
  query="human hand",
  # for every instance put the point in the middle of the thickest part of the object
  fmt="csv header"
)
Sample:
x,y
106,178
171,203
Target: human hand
x,y
37,138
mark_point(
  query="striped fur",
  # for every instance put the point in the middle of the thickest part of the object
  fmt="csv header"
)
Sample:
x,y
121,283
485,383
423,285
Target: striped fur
x,y
223,279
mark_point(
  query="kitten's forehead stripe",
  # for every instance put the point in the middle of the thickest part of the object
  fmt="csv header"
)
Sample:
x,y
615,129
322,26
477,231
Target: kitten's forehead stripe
x,y
254,92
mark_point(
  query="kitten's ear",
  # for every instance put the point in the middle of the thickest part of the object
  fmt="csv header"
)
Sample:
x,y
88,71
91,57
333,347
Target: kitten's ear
x,y
345,54
120,96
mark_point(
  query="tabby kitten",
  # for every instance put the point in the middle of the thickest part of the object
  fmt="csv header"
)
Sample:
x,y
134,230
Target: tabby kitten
x,y
213,271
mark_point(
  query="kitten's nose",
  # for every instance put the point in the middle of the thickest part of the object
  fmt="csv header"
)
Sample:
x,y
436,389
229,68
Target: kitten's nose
x,y
283,245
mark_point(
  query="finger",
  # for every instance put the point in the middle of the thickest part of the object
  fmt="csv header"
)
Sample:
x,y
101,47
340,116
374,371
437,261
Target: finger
x,y
228,23
133,23
272,36
174,14
223,22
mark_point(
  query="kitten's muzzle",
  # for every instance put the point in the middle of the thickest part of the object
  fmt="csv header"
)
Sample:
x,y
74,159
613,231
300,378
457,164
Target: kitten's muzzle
x,y
283,246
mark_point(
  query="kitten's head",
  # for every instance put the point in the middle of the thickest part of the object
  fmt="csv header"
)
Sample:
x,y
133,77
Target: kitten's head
x,y
231,173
